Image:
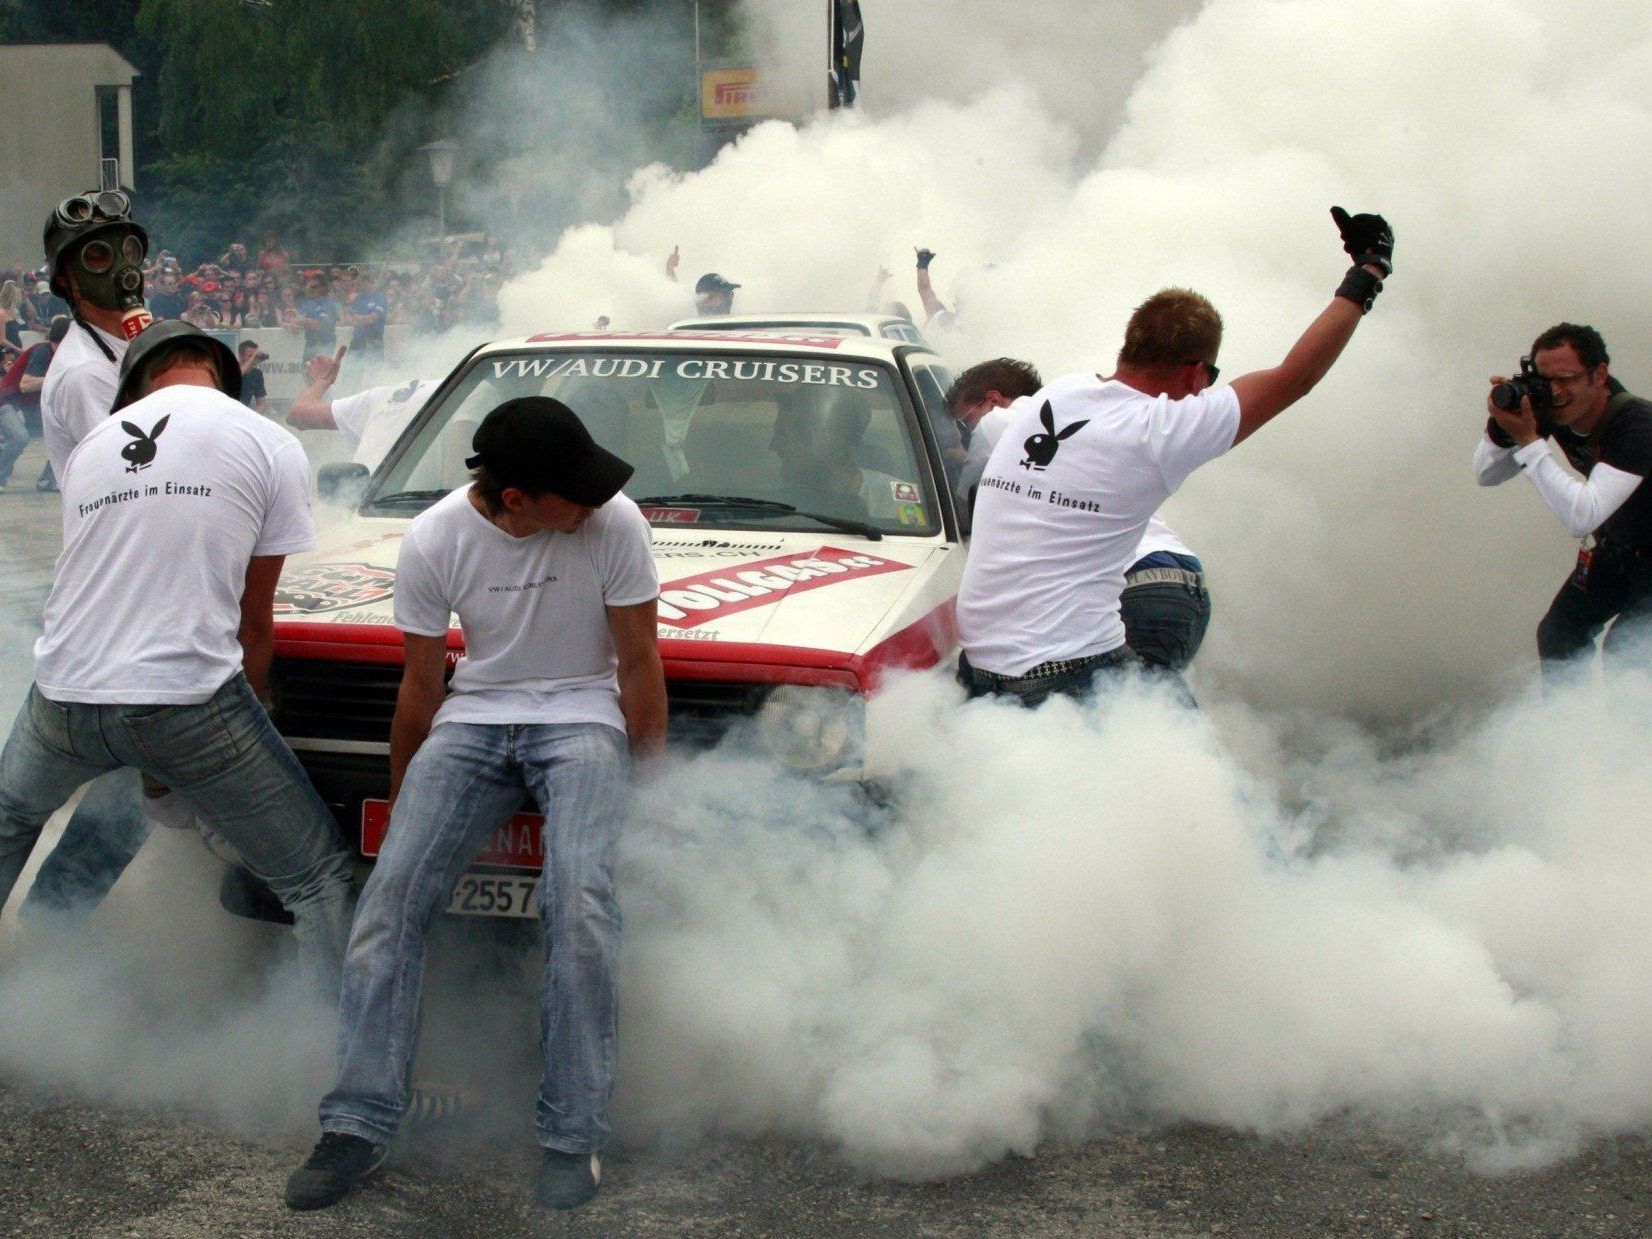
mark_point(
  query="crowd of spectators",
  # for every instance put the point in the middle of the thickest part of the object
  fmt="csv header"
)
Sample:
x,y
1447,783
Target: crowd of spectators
x,y
269,289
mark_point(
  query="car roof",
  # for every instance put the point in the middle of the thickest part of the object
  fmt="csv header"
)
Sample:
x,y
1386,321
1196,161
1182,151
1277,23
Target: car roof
x,y
861,324
824,344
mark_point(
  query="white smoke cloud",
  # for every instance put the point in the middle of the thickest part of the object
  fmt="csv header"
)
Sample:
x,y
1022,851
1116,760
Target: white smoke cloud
x,y
1356,568
1107,924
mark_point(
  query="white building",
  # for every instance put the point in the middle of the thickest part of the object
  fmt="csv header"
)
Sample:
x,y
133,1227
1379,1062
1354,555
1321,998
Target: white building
x,y
67,106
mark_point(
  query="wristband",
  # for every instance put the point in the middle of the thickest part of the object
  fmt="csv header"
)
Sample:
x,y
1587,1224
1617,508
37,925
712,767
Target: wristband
x,y
1360,287
1497,434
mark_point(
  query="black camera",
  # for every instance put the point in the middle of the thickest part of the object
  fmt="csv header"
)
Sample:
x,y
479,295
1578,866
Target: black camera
x,y
1527,385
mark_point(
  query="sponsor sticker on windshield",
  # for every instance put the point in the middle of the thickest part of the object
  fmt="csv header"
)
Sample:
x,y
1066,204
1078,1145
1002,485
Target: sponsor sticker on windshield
x,y
671,516
691,601
692,369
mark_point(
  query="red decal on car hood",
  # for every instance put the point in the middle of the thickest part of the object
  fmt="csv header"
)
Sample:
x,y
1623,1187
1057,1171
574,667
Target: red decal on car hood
x,y
694,600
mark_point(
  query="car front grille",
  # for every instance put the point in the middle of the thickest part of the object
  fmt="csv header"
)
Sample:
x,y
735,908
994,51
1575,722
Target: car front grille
x,y
320,700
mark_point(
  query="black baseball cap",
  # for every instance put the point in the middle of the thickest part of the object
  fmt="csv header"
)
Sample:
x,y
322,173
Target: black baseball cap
x,y
711,282
538,444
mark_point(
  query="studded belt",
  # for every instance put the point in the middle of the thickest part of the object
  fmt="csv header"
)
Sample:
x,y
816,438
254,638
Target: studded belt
x,y
1059,667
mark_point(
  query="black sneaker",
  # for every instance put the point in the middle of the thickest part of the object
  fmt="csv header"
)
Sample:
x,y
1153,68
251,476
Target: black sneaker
x,y
335,1165
568,1180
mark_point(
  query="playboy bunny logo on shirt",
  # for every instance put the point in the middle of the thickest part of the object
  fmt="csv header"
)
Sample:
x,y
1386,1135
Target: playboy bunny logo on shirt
x,y
141,451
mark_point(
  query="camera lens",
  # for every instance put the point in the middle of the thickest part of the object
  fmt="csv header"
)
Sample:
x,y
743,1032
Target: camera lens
x,y
1506,395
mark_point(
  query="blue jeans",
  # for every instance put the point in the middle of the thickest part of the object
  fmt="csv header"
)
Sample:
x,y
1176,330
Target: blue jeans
x,y
14,437
104,833
1165,621
466,781
225,758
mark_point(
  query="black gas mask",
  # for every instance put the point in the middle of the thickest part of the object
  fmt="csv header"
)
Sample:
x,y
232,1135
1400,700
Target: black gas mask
x,y
94,235
109,269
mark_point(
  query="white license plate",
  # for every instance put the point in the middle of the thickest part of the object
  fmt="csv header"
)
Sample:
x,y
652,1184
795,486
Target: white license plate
x,y
495,894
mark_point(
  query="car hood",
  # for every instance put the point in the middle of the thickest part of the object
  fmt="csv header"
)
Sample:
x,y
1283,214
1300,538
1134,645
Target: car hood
x,y
755,598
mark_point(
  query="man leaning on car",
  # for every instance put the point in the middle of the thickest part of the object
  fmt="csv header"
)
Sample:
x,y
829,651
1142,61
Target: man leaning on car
x,y
548,568
184,495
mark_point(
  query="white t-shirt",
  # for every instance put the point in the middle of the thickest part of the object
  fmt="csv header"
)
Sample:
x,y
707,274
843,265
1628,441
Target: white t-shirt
x,y
163,505
374,419
78,392
1059,516
538,648
1158,536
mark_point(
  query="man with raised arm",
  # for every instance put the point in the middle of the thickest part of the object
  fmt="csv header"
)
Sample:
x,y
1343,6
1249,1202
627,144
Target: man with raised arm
x,y
1080,469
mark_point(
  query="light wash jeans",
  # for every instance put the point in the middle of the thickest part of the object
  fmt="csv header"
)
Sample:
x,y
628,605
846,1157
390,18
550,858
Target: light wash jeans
x,y
225,758
466,781
104,833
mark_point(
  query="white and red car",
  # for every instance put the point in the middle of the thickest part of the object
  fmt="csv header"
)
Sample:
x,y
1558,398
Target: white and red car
x,y
803,528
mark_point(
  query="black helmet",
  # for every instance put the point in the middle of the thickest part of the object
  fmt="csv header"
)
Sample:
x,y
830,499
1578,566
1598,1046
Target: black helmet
x,y
85,215
152,341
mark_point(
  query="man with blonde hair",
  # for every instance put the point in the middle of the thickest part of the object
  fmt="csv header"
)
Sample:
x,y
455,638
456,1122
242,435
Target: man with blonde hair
x,y
1082,466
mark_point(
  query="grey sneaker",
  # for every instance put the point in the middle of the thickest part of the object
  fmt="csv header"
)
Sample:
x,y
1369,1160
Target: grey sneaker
x,y
335,1165
568,1180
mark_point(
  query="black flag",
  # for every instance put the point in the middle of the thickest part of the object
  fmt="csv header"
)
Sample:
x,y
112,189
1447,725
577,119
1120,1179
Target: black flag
x,y
848,38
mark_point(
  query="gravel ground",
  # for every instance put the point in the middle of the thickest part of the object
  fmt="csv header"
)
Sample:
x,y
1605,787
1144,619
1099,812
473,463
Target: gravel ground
x,y
69,1168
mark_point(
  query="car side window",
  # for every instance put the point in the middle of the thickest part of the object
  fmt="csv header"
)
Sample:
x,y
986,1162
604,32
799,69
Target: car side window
x,y
932,382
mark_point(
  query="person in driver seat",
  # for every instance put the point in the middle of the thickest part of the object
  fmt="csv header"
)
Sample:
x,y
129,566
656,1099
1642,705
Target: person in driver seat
x,y
817,436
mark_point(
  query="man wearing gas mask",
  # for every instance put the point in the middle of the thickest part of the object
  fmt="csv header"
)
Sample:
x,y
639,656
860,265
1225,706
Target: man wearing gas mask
x,y
94,256
1565,397
95,253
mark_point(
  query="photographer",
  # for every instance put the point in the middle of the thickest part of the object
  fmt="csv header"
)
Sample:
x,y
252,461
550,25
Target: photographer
x,y
254,391
1565,395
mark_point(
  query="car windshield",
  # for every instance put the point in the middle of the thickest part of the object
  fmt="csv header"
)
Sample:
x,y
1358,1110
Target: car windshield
x,y
718,439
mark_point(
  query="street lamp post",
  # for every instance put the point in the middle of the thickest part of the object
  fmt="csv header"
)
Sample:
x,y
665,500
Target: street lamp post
x,y
441,153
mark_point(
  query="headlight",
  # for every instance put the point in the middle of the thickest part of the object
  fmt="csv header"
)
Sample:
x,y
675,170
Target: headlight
x,y
812,729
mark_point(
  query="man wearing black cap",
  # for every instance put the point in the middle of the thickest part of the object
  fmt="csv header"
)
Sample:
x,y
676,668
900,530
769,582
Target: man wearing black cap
x,y
186,496
548,568
713,294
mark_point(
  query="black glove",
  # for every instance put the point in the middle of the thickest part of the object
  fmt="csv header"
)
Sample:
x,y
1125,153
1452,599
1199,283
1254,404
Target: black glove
x,y
925,257
1497,434
1366,239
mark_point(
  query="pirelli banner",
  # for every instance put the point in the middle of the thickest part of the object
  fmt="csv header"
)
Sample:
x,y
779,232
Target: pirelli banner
x,y
740,95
